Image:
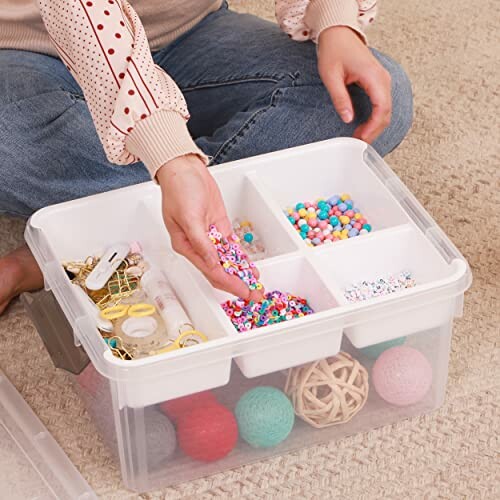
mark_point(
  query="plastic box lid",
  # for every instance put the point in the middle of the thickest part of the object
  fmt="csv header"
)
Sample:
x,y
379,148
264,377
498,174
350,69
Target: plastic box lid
x,y
32,464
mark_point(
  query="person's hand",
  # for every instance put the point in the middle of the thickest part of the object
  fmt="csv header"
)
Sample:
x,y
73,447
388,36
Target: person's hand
x,y
191,202
343,59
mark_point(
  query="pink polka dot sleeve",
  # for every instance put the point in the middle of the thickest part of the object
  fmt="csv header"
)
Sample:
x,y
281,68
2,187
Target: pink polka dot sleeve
x,y
138,110
306,19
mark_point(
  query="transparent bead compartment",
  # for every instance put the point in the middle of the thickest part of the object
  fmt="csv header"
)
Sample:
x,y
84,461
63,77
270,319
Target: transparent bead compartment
x,y
145,441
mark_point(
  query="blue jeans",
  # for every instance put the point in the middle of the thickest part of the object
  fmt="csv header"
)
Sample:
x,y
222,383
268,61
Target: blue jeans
x,y
249,88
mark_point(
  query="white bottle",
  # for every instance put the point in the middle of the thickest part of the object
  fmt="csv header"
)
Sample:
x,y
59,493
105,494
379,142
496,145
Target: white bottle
x,y
157,287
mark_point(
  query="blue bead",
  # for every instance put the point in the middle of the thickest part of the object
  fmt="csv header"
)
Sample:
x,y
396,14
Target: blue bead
x,y
353,232
323,215
334,220
303,235
338,227
299,206
316,241
356,211
333,200
349,204
291,219
348,226
305,228
367,227
248,237
342,207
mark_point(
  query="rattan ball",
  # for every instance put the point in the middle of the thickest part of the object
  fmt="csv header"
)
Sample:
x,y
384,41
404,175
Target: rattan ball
x,y
328,391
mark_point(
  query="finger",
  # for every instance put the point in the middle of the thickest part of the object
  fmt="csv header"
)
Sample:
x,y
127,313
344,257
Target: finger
x,y
378,88
334,81
197,236
216,276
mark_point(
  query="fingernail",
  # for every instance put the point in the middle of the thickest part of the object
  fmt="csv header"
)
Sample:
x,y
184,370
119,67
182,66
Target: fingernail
x,y
346,115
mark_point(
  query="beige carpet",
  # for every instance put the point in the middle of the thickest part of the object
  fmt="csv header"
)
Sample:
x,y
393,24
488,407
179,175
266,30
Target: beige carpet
x,y
451,162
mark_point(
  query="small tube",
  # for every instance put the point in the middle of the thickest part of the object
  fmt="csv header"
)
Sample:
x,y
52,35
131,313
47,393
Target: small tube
x,y
159,290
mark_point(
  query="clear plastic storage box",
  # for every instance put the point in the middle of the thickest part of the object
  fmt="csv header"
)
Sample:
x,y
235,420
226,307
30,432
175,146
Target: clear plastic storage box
x,y
127,397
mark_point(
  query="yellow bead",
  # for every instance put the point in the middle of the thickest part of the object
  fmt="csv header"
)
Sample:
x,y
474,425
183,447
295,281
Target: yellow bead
x,y
345,196
358,216
302,212
344,219
244,223
344,231
336,234
344,236
290,211
311,215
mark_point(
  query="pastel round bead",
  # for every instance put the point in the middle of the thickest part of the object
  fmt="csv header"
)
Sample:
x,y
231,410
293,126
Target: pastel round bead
x,y
333,200
248,237
302,212
334,220
367,227
345,196
299,206
316,241
363,231
342,207
323,215
353,232
402,375
344,219
349,213
357,225
323,224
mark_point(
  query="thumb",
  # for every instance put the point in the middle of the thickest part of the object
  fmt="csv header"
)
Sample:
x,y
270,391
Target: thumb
x,y
335,84
201,244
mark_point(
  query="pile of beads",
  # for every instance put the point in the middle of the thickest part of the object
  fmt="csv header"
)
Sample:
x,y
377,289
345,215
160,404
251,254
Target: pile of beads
x,y
249,239
276,307
233,259
381,286
326,221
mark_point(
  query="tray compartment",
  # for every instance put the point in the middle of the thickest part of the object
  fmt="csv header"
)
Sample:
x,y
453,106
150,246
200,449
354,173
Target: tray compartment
x,y
344,173
243,201
387,253
292,342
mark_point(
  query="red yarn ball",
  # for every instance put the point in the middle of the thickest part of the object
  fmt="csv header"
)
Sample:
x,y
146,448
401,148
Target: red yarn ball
x,y
207,434
175,408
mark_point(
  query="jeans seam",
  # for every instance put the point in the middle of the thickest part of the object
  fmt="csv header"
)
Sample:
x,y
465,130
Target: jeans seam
x,y
235,81
229,143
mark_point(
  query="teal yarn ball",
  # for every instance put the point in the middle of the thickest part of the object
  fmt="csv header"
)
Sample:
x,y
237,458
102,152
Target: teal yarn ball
x,y
265,417
375,350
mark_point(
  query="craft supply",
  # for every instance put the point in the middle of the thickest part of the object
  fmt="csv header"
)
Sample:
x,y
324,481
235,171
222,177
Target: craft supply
x,y
249,239
207,433
379,287
276,307
328,391
375,350
233,259
265,417
176,408
402,375
106,266
327,220
158,289
92,310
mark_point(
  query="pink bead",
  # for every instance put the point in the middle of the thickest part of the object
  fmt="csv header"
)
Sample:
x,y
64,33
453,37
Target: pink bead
x,y
357,225
311,235
362,221
323,224
296,216
349,213
307,204
321,236
335,238
329,237
330,212
402,375
313,222
338,213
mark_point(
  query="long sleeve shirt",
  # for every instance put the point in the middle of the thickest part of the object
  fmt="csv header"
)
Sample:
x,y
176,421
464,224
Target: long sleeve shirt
x,y
139,112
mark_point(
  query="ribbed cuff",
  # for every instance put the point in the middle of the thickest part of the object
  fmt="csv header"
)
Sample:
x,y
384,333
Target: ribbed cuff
x,y
160,138
322,14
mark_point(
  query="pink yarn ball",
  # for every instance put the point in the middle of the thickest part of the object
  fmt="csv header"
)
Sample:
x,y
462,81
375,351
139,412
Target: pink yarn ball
x,y
402,375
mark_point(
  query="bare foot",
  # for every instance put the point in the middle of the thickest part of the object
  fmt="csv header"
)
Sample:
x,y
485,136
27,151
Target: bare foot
x,y
19,273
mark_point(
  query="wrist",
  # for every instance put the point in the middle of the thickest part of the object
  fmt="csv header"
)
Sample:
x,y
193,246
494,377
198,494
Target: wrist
x,y
340,31
170,169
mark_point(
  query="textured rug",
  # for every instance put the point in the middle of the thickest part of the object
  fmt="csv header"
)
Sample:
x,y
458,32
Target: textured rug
x,y
451,161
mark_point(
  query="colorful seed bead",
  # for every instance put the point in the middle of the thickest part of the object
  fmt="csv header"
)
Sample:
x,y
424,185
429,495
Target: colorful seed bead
x,y
327,219
276,307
